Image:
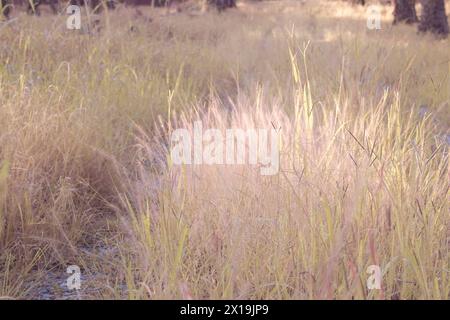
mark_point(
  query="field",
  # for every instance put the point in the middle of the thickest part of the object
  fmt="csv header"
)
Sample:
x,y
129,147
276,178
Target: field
x,y
86,178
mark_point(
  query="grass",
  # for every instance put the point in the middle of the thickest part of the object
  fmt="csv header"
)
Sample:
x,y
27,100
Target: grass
x,y
85,120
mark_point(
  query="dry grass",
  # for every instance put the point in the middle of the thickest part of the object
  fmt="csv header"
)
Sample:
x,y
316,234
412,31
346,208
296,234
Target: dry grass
x,y
85,178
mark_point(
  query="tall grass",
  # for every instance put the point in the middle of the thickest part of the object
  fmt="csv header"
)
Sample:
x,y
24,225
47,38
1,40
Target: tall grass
x,y
85,176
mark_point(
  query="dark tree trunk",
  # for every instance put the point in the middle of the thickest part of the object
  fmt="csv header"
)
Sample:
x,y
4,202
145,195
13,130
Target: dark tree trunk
x,y
405,11
95,5
361,2
224,4
54,5
34,8
5,8
434,18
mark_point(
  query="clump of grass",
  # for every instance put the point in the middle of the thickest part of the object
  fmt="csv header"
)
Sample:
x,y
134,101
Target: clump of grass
x,y
348,182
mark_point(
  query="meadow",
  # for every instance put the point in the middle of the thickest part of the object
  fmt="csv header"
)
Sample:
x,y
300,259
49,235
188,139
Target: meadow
x,y
86,178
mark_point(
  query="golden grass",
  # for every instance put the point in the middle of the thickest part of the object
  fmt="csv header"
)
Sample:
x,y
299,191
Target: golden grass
x,y
85,177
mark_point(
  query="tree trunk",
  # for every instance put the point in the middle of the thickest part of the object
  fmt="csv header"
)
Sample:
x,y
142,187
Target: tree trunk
x,y
224,4
405,11
361,2
5,8
434,18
